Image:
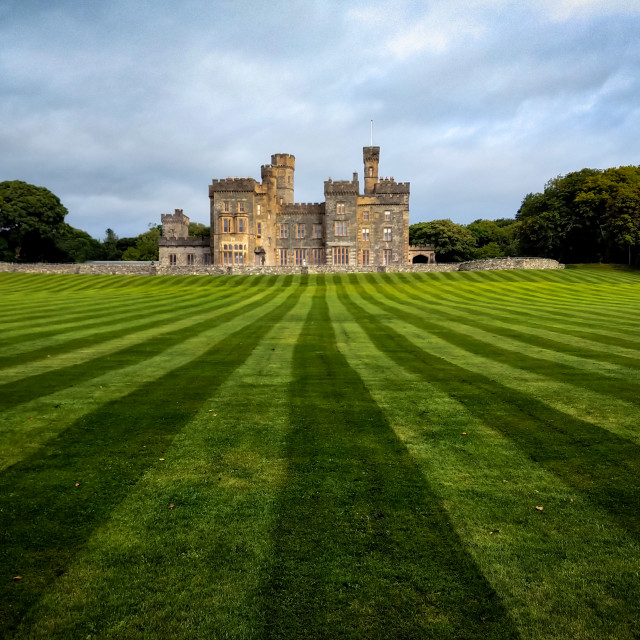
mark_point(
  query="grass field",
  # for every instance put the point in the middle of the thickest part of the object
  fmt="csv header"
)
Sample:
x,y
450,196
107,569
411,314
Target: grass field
x,y
452,455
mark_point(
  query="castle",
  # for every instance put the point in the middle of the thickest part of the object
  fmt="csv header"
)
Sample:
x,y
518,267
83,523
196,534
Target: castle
x,y
259,224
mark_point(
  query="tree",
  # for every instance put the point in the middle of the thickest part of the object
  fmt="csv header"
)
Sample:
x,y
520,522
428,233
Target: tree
x,y
452,242
199,230
146,247
30,219
75,245
494,238
585,216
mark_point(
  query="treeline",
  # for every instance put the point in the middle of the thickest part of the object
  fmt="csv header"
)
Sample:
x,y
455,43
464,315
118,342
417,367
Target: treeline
x,y
590,215
32,229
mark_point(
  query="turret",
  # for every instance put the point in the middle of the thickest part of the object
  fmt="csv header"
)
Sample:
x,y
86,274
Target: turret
x,y
371,157
284,166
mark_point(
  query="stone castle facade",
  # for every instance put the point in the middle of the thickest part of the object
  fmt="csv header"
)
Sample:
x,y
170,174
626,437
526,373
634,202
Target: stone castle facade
x,y
259,224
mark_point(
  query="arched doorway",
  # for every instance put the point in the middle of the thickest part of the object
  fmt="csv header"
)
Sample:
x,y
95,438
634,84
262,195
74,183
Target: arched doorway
x,y
420,259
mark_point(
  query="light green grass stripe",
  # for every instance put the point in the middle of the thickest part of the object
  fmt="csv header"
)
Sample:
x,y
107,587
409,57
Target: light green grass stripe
x,y
554,574
89,309
617,416
520,300
135,314
25,428
506,336
194,571
100,349
553,326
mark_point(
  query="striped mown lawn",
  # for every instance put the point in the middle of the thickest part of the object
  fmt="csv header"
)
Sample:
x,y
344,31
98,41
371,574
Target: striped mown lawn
x,y
451,455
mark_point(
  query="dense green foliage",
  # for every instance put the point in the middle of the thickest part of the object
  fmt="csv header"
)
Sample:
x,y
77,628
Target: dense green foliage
x,y
342,456
585,216
30,221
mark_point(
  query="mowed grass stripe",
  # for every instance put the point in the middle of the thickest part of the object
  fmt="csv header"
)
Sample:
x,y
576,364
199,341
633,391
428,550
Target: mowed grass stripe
x,y
26,427
46,519
72,312
483,343
567,572
512,301
364,547
196,570
596,462
546,344
24,382
622,418
138,317
563,338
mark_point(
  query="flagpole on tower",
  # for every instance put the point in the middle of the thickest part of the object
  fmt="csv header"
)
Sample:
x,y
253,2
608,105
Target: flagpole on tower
x,y
371,134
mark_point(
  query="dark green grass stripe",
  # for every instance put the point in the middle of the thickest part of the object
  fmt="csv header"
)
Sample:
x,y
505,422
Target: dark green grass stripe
x,y
603,466
110,327
364,548
501,307
74,309
45,519
26,389
513,333
586,379
574,308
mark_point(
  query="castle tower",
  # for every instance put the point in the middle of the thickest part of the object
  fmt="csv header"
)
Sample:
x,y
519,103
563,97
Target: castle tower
x,y
284,166
371,157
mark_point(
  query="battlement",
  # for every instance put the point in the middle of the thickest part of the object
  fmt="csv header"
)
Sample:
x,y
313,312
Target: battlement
x,y
302,208
283,160
341,187
177,216
371,154
233,184
389,185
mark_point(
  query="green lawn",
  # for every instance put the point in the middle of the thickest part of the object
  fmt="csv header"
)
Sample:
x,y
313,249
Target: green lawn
x,y
447,455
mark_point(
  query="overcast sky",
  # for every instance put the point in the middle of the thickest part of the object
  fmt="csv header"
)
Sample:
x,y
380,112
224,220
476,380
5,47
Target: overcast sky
x,y
127,109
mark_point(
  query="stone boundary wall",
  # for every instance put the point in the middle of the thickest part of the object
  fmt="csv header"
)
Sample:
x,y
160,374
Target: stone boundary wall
x,y
137,269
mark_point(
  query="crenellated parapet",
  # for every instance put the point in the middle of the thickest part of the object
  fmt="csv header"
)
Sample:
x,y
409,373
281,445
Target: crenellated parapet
x,y
233,184
341,187
389,185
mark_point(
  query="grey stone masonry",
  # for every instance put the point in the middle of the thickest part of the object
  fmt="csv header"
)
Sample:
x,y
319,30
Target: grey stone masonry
x,y
151,269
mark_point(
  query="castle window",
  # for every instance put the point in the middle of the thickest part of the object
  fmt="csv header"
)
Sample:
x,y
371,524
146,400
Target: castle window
x,y
258,209
300,231
207,258
226,225
283,257
227,254
371,172
387,256
340,208
226,207
301,257
341,227
284,230
242,225
317,231
365,216
238,253
317,256
259,229
241,206
340,255
365,257
191,259
387,234
173,259
288,179
365,234
387,216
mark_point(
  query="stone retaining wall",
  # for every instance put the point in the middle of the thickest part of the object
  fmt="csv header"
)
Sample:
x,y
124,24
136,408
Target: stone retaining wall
x,y
146,269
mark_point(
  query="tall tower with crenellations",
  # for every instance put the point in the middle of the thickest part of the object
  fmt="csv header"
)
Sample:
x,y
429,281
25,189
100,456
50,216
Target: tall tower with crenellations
x,y
371,157
284,166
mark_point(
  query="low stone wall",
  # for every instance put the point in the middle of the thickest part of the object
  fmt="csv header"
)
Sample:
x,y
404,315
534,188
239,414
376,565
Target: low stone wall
x,y
146,269
117,268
